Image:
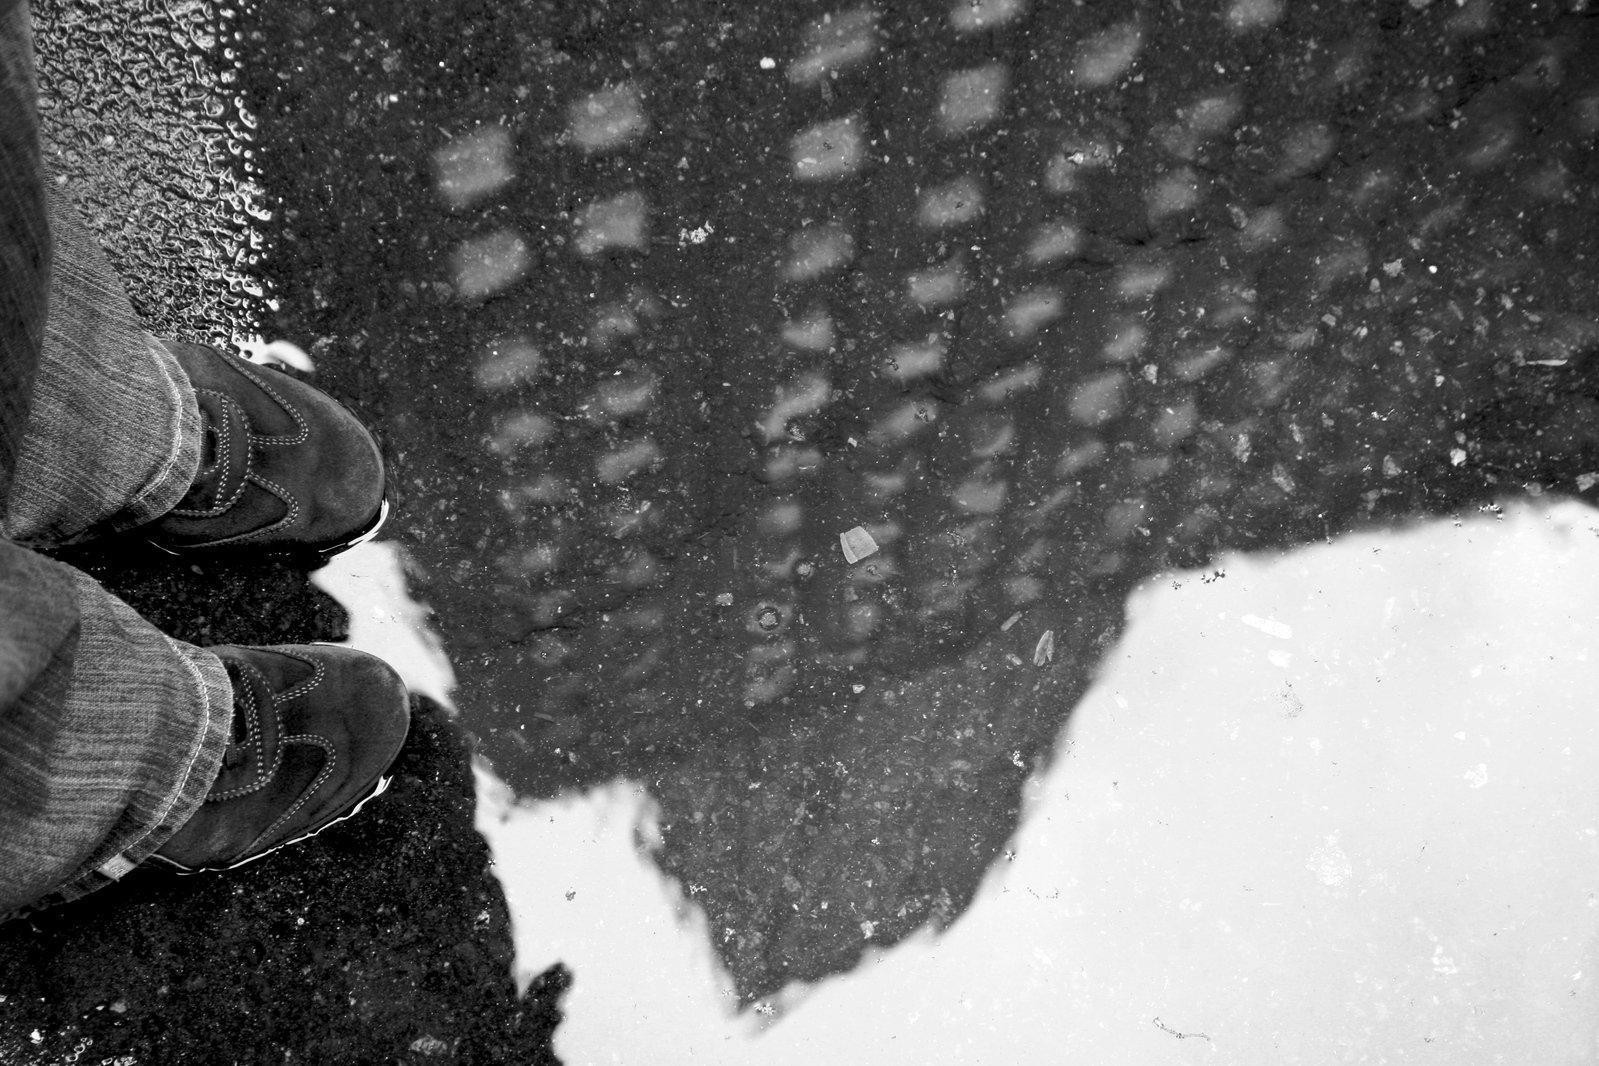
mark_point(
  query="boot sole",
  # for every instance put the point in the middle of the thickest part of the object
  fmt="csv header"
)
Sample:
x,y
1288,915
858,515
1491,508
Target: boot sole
x,y
315,553
350,810
377,789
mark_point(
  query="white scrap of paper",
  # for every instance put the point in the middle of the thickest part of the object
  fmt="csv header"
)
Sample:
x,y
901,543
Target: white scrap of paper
x,y
857,544
1269,626
278,353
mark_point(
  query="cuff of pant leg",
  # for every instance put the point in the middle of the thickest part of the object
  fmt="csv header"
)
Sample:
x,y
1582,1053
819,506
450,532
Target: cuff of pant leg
x,y
56,520
187,433
212,689
216,688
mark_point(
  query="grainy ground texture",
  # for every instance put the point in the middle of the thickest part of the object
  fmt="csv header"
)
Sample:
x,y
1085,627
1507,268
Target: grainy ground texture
x,y
652,301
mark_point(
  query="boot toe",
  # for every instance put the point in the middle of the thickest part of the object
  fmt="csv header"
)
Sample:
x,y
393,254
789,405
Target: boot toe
x,y
316,728
294,469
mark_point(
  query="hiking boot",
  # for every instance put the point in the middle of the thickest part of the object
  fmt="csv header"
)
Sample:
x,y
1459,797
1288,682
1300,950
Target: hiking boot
x,y
283,467
315,730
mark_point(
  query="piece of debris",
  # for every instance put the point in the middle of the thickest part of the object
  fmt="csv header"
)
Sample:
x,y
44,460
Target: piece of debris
x,y
1044,650
1004,627
724,599
278,353
857,544
697,235
430,1045
1163,1027
1269,626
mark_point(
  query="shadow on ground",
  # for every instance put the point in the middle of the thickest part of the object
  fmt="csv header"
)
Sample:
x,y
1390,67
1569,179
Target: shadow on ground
x,y
383,940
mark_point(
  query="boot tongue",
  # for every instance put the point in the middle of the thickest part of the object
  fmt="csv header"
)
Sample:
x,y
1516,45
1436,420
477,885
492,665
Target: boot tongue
x,y
237,752
224,455
250,759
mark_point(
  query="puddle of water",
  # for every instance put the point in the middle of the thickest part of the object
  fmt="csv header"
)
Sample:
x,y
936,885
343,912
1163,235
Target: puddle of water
x,y
1327,800
369,581
1318,805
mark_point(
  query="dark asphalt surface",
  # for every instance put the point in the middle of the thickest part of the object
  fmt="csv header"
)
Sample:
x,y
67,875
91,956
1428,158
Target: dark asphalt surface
x,y
1201,280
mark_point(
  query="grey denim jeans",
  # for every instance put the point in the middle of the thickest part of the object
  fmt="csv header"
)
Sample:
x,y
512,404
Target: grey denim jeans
x,y
111,733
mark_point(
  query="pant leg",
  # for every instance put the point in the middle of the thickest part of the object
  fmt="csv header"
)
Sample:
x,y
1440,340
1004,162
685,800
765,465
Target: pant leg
x,y
24,236
111,733
101,428
114,435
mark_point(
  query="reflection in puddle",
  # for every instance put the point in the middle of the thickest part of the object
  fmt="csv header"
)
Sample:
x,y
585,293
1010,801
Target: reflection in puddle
x,y
972,98
951,204
619,222
969,16
812,332
1027,312
474,166
1316,806
829,150
834,44
937,286
607,119
508,362
1107,55
817,249
489,264
1253,14
369,581
1078,213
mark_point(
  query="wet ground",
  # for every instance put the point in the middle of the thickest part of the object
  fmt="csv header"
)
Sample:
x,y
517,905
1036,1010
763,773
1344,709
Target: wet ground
x,y
653,302
1334,808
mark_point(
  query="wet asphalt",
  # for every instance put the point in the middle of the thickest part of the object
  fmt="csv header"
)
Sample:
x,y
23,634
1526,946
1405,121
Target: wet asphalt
x,y
651,302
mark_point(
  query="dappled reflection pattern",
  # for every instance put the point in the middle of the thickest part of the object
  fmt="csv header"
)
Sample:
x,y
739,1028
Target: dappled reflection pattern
x,y
1041,305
